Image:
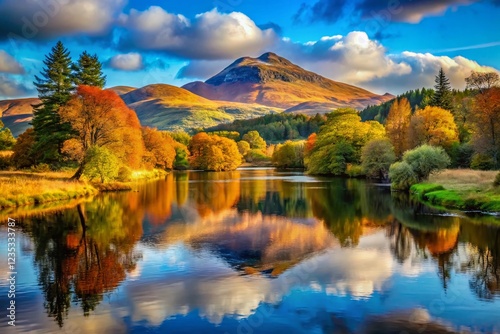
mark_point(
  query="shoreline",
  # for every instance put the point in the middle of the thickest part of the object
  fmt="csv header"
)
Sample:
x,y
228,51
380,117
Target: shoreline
x,y
24,188
463,190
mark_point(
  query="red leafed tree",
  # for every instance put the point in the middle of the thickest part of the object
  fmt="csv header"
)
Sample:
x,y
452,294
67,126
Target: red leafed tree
x,y
101,118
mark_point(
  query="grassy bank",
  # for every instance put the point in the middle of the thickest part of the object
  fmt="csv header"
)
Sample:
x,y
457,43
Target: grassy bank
x,y
463,189
25,188
20,188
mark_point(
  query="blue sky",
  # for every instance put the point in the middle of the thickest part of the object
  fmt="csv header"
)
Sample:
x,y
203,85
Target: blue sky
x,y
381,45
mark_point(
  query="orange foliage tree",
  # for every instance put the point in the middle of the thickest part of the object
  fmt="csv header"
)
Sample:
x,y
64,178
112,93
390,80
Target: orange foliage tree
x,y
434,126
160,149
101,118
397,125
486,120
214,153
23,155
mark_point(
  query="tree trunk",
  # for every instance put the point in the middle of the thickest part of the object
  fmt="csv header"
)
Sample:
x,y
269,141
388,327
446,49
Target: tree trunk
x,y
78,173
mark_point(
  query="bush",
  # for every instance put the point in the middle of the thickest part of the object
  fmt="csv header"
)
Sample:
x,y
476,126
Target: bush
x,y
425,160
376,158
5,162
101,163
355,170
257,155
461,155
496,183
402,176
482,162
124,174
41,168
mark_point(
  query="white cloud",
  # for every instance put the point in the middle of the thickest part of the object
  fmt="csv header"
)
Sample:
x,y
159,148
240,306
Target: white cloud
x,y
39,19
210,35
127,62
9,65
358,60
10,88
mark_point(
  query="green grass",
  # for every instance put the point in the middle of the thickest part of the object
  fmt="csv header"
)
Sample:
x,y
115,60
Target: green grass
x,y
460,189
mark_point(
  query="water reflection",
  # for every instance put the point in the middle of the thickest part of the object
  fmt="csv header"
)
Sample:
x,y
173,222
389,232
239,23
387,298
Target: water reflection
x,y
259,251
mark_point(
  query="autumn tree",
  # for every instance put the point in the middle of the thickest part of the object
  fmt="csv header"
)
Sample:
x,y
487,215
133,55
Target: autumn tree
x,y
101,118
159,149
482,81
55,86
376,158
88,71
340,141
486,120
289,155
101,163
255,140
243,147
213,153
434,126
442,97
23,155
7,140
397,125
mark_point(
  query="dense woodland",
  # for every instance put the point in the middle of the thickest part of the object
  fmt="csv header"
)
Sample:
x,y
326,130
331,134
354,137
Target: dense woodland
x,y
80,125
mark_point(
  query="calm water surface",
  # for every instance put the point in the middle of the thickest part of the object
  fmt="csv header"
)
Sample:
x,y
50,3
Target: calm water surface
x,y
252,251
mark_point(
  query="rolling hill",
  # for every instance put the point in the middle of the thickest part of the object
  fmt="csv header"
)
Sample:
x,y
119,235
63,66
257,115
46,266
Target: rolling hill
x,y
172,108
17,114
274,81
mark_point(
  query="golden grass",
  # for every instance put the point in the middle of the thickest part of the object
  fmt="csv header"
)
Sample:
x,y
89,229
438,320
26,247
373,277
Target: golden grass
x,y
24,188
464,180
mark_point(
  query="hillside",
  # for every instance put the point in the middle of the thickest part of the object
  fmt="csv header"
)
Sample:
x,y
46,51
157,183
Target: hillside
x,y
274,81
16,114
172,108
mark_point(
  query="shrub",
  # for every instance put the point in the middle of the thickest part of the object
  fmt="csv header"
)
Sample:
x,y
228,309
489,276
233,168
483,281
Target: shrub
x,y
101,163
124,174
496,183
482,162
376,158
355,170
41,168
257,155
461,155
425,160
402,176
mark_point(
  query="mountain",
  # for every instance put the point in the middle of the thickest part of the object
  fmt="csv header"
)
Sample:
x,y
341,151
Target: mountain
x,y
17,114
274,81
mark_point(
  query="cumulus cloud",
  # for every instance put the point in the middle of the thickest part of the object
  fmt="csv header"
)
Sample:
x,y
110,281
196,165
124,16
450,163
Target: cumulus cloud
x,y
134,61
9,65
126,62
210,35
43,19
358,60
10,88
407,11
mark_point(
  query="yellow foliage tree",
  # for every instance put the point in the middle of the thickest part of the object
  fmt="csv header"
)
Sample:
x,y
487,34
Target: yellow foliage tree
x,y
433,126
160,149
214,153
397,125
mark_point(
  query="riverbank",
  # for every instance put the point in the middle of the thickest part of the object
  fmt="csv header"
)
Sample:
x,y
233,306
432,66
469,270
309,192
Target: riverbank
x,y
462,189
20,188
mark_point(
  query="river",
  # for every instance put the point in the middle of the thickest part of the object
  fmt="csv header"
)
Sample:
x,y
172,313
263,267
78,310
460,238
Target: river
x,y
251,251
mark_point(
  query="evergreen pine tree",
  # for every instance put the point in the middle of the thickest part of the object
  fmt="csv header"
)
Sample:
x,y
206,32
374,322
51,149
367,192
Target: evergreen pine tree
x,y
88,71
54,86
442,96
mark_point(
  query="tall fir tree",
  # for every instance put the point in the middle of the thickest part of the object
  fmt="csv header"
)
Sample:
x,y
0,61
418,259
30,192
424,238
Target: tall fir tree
x,y
88,71
54,86
442,96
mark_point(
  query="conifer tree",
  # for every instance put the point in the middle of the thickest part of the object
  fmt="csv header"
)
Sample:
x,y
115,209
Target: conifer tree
x,y
88,71
54,86
442,96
